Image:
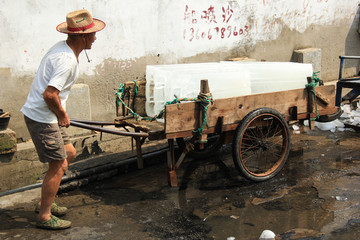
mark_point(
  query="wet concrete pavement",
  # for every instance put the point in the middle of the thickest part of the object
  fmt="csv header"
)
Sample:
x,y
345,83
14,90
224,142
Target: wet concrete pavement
x,y
318,190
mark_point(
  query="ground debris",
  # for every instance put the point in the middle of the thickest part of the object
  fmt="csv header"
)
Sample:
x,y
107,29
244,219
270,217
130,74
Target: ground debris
x,y
301,233
279,194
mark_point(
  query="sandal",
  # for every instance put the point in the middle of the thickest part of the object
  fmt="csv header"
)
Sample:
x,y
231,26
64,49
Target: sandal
x,y
53,223
55,209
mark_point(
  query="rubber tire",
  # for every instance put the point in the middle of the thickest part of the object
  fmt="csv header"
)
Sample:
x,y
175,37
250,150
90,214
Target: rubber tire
x,y
330,117
238,140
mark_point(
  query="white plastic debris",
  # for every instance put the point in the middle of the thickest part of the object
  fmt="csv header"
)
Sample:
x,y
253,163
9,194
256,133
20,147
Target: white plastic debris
x,y
340,129
230,238
329,126
346,108
306,123
267,235
345,116
349,116
340,198
295,127
355,121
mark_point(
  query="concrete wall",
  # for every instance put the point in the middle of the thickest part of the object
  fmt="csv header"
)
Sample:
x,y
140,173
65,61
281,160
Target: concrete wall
x,y
144,32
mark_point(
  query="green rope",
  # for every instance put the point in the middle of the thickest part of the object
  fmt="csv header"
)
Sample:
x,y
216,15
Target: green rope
x,y
136,88
311,86
120,97
175,101
121,90
205,101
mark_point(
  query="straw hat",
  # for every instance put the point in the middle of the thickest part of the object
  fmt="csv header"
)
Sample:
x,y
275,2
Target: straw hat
x,y
80,22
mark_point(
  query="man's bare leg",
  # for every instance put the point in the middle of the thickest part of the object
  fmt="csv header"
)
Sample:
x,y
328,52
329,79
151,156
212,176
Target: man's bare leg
x,y
70,152
52,182
50,187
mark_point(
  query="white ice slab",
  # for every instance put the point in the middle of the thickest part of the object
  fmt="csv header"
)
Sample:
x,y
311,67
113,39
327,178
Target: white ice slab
x,y
226,79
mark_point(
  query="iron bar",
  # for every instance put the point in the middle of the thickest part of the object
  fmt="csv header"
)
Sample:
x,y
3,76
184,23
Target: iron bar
x,y
107,130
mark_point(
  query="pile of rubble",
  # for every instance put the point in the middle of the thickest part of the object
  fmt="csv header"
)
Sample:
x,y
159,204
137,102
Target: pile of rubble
x,y
349,117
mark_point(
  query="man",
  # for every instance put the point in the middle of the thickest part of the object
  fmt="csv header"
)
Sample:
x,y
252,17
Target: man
x,y
45,109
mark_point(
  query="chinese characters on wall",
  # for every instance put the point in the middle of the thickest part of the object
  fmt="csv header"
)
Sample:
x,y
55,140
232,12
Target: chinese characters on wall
x,y
212,23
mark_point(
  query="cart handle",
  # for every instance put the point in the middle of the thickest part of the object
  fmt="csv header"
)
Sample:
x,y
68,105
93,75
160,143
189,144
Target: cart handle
x,y
107,130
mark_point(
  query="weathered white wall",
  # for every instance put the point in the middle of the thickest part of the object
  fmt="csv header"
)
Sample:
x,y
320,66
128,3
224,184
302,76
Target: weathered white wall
x,y
141,32
177,29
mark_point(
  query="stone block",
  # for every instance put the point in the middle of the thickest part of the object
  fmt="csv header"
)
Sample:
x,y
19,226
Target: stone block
x,y
309,55
7,141
78,107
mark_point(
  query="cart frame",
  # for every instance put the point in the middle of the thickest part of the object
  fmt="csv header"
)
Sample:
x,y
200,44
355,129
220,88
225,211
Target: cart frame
x,y
231,120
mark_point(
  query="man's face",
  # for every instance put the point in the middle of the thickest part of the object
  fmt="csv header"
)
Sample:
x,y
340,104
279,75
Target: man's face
x,y
90,38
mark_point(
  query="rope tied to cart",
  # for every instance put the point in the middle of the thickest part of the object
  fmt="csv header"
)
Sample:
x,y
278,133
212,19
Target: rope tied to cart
x,y
120,94
135,88
205,100
311,87
175,101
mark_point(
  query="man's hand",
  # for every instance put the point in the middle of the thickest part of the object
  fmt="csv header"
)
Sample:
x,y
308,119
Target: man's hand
x,y
64,120
52,99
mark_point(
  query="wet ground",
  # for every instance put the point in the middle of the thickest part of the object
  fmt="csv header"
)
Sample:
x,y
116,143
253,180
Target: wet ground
x,y
317,191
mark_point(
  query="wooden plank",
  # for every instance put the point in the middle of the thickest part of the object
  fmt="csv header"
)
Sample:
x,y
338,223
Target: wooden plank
x,y
236,108
321,97
155,129
145,125
232,127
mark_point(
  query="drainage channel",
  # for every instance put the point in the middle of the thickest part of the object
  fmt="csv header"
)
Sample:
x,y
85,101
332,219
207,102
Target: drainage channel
x,y
84,177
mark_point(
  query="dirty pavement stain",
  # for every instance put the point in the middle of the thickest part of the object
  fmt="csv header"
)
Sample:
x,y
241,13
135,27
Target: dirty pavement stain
x,y
315,196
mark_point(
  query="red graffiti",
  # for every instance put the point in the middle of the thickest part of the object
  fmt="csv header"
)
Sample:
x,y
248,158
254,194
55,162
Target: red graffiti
x,y
190,16
192,34
227,14
216,29
209,15
263,2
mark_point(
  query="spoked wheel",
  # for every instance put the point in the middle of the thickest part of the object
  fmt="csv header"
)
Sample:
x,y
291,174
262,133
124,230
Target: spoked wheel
x,y
261,144
215,141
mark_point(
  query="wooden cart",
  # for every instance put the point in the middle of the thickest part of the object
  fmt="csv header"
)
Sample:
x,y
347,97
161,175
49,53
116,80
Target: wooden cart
x,y
257,126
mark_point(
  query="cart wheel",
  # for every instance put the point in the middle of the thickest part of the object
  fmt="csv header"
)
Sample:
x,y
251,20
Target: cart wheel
x,y
261,144
215,141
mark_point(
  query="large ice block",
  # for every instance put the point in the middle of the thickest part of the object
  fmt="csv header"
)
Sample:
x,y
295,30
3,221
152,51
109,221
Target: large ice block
x,y
226,79
275,76
164,83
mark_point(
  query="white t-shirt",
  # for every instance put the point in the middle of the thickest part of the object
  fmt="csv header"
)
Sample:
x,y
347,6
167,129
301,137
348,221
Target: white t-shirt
x,y
59,68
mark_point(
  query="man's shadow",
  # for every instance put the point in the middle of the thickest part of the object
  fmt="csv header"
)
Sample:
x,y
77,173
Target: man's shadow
x,y
16,219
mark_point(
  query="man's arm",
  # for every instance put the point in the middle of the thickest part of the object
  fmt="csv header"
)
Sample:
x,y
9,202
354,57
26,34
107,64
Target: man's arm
x,y
52,99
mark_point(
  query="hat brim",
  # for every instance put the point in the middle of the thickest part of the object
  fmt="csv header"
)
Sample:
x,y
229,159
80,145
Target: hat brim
x,y
98,25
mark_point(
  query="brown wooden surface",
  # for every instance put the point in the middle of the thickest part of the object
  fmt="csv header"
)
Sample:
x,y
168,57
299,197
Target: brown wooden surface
x,y
182,122
185,119
154,128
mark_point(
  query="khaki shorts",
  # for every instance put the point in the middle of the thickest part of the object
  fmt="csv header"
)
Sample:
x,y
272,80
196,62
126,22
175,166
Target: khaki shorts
x,y
49,140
